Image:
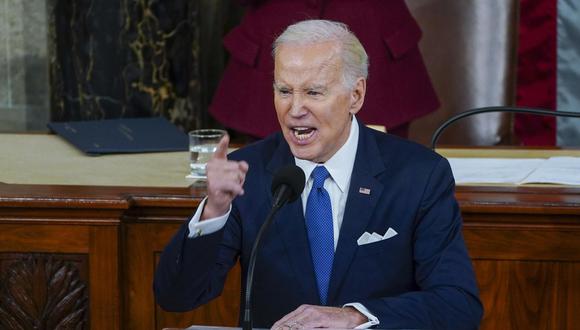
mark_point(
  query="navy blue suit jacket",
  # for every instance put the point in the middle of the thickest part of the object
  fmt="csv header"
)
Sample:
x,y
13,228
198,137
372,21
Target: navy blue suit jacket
x,y
420,278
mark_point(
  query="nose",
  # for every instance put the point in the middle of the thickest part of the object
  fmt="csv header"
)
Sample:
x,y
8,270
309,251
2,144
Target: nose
x,y
297,106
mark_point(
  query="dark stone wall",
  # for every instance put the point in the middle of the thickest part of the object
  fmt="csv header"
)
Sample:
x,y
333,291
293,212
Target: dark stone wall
x,y
137,58
125,58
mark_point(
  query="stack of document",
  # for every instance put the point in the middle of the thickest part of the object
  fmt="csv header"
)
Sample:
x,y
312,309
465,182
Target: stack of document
x,y
554,170
124,135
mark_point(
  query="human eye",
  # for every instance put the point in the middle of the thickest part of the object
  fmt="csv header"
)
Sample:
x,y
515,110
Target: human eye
x,y
315,92
283,91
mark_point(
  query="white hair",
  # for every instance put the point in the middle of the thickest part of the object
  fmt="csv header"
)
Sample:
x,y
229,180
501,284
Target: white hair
x,y
352,53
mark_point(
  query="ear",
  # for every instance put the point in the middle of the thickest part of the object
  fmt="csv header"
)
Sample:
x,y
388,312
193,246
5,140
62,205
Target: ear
x,y
357,96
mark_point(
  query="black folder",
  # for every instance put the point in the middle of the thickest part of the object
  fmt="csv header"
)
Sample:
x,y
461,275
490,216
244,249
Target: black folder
x,y
114,136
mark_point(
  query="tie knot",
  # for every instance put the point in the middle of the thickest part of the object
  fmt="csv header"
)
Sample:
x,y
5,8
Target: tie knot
x,y
319,175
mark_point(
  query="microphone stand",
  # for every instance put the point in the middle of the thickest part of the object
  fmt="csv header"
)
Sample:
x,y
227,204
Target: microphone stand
x,y
468,113
279,200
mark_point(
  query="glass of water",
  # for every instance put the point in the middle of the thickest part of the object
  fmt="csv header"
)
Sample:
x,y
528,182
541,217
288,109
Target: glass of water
x,y
202,145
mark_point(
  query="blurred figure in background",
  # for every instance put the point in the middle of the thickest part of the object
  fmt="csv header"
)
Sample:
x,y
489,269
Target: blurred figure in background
x,y
400,86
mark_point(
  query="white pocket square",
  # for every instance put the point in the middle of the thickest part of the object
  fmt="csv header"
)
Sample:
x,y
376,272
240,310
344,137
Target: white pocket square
x,y
368,238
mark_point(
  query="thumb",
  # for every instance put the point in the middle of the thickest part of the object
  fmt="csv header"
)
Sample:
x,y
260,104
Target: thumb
x,y
221,150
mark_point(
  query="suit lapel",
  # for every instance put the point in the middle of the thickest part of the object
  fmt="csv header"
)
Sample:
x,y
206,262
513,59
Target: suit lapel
x,y
290,225
359,206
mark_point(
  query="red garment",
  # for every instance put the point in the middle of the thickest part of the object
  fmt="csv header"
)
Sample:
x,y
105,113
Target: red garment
x,y
398,89
537,71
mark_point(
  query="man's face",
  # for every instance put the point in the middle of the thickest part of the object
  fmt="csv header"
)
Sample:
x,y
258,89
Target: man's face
x,y
313,106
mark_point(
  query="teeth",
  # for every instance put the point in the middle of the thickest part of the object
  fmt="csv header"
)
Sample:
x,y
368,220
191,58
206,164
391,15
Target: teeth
x,y
303,133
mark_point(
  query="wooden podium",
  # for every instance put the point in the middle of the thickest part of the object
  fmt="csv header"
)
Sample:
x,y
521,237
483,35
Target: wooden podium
x,y
88,231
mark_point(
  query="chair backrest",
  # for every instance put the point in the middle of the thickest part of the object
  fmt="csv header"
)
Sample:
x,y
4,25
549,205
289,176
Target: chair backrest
x,y
469,48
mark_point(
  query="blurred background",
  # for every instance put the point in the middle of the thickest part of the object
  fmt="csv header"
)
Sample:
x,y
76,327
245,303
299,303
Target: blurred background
x,y
89,60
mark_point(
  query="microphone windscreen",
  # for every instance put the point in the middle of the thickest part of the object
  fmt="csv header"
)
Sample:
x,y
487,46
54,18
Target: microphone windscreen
x,y
293,177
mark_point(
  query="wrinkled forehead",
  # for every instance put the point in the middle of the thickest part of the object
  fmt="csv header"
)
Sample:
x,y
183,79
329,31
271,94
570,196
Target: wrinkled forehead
x,y
307,58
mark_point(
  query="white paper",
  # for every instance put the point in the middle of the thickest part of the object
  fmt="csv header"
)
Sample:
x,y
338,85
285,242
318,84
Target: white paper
x,y
556,170
492,170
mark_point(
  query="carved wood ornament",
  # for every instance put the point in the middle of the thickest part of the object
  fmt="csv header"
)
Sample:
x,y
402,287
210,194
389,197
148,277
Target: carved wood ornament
x,y
42,292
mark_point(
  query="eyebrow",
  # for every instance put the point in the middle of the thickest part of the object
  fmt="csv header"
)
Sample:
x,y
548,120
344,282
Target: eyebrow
x,y
306,88
277,86
322,87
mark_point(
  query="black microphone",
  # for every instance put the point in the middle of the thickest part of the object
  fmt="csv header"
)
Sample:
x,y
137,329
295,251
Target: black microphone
x,y
287,185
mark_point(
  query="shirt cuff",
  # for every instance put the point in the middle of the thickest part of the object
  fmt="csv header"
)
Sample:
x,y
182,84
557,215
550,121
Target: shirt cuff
x,y
373,320
199,228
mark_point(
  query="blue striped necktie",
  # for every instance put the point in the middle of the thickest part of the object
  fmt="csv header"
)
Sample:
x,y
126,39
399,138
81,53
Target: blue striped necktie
x,y
320,232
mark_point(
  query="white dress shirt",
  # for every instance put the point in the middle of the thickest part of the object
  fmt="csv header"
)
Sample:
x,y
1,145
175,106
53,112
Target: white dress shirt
x,y
340,167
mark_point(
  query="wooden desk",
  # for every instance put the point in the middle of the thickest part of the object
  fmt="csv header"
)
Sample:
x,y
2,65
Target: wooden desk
x,y
97,246
107,240
525,245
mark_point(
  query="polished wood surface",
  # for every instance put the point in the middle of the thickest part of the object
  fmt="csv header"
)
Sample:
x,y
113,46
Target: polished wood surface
x,y
525,247
524,242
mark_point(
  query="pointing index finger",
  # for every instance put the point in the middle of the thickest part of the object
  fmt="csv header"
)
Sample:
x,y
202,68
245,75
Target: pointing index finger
x,y
221,150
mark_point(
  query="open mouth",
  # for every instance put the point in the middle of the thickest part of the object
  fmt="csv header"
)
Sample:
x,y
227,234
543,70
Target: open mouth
x,y
303,133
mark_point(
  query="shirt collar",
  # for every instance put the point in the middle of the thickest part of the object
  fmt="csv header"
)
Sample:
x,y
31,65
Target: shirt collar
x,y
340,165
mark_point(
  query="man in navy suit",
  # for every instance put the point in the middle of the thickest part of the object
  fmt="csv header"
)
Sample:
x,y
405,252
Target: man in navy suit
x,y
394,241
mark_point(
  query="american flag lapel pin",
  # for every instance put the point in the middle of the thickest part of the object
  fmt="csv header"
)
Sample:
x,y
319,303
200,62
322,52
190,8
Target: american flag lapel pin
x,y
365,191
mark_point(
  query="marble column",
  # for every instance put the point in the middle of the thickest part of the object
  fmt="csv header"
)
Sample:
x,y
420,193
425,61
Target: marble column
x,y
23,66
124,58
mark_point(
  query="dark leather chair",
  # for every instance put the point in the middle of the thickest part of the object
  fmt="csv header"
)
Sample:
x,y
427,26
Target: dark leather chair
x,y
469,48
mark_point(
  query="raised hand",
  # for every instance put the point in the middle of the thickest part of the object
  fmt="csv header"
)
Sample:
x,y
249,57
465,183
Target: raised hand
x,y
225,181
